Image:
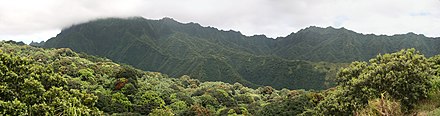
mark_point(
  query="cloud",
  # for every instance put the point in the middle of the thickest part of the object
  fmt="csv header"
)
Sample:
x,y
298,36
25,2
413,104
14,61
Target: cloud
x,y
39,20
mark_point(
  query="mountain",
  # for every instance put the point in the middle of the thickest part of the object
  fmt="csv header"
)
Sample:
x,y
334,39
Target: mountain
x,y
342,45
307,59
180,49
37,44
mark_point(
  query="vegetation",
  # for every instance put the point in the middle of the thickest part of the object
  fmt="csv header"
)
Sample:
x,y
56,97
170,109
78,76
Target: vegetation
x,y
203,53
403,76
342,45
37,81
209,54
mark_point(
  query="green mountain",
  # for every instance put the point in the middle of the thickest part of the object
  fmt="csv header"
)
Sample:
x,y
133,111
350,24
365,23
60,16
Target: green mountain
x,y
180,49
209,54
342,45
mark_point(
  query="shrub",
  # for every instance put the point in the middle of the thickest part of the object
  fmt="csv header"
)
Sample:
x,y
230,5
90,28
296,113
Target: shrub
x,y
405,76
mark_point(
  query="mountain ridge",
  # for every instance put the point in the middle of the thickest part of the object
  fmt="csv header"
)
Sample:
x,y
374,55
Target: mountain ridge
x,y
210,54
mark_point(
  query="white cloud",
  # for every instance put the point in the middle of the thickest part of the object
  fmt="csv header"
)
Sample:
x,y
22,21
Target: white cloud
x,y
37,19
37,36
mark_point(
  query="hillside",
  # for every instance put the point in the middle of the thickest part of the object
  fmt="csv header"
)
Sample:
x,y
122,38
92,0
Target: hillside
x,y
37,81
342,45
209,54
180,49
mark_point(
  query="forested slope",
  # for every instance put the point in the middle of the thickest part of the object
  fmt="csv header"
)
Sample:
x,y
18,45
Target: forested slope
x,y
180,49
37,81
209,54
342,45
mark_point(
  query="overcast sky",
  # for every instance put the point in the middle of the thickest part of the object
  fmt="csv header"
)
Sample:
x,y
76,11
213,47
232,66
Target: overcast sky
x,y
36,20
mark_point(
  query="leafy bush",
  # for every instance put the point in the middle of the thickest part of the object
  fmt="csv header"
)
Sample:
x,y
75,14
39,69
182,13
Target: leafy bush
x,y
34,89
405,76
287,107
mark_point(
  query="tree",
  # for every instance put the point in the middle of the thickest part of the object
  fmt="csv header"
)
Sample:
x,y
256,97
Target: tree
x,y
29,88
287,107
148,101
435,60
405,76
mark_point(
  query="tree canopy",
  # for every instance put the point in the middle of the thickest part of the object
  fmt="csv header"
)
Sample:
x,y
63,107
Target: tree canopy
x,y
37,81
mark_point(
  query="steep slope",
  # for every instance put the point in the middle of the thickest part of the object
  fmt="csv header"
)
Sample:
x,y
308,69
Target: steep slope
x,y
342,45
37,81
209,54
179,49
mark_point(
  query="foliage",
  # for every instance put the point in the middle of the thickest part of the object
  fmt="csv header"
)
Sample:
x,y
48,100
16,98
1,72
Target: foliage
x,y
203,53
405,76
161,112
37,81
432,103
210,54
29,88
435,112
381,107
288,107
343,45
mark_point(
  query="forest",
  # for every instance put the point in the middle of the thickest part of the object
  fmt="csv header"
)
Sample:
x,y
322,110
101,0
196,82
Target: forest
x,y
59,81
307,59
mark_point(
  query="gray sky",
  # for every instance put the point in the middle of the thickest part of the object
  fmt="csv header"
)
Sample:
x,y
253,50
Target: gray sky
x,y
36,20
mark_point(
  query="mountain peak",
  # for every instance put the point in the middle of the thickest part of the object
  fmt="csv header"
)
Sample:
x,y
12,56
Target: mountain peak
x,y
410,34
326,30
168,19
176,48
315,29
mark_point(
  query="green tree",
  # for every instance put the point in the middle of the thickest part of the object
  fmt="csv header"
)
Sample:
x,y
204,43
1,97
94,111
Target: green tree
x,y
29,88
404,76
120,103
161,112
148,101
287,107
178,107
15,108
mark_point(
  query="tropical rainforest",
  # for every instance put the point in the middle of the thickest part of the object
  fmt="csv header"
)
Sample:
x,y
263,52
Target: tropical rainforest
x,y
307,59
136,66
38,81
